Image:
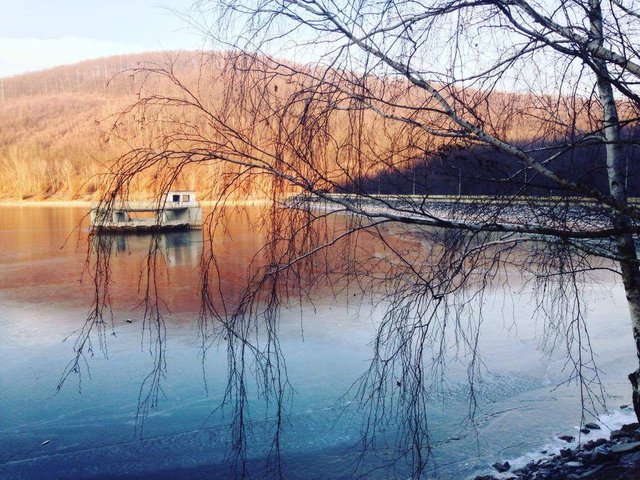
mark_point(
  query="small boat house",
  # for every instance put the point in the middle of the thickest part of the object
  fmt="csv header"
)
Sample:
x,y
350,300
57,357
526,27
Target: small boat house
x,y
178,210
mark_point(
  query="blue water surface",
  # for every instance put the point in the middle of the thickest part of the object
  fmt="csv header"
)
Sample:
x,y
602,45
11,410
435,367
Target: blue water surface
x,y
92,427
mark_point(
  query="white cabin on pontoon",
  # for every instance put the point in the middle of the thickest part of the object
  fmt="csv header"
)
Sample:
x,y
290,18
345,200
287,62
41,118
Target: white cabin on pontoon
x,y
177,210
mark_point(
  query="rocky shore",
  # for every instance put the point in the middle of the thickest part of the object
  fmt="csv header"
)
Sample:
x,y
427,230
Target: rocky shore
x,y
598,459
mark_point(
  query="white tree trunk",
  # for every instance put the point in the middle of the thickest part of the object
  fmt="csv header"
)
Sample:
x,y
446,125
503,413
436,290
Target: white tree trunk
x,y
629,266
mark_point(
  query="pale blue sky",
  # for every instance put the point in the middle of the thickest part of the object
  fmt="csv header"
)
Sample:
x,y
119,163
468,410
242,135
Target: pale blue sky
x,y
37,34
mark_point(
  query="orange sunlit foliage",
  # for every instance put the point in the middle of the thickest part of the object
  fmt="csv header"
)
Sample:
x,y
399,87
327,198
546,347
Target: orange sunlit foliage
x,y
62,129
57,133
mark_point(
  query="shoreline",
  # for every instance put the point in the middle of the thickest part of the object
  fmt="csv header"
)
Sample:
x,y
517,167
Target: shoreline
x,y
602,451
45,203
90,203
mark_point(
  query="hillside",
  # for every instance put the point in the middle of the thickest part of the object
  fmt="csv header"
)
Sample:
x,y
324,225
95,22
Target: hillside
x,y
56,126
61,129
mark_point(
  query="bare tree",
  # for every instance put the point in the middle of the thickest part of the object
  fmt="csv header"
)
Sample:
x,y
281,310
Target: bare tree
x,y
381,89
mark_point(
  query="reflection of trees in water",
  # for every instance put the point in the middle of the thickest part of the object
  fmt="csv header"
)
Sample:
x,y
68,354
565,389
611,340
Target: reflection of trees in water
x,y
179,248
430,282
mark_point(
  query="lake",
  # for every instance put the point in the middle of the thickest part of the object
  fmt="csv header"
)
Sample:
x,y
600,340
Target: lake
x,y
91,427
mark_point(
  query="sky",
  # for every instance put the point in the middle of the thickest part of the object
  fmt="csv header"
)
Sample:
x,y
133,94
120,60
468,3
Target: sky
x,y
38,34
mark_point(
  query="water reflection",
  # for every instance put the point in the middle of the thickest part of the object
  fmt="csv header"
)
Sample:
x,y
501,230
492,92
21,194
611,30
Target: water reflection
x,y
178,247
326,344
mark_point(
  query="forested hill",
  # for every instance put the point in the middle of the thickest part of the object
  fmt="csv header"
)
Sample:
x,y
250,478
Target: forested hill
x,y
56,125
486,171
57,136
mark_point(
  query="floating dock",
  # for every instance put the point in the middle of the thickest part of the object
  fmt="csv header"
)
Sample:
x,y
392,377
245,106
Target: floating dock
x,y
178,210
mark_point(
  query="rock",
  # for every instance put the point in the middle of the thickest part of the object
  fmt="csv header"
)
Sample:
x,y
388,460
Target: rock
x,y
543,473
502,467
631,459
584,430
585,457
573,464
543,452
599,441
531,466
565,475
592,426
485,477
591,471
566,438
622,407
600,456
566,452
618,434
625,447
630,427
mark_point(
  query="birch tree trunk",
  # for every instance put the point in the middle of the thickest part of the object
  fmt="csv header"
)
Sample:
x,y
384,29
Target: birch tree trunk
x,y
629,266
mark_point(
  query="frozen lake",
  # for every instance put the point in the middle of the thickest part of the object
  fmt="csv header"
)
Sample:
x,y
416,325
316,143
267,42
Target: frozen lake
x,y
88,429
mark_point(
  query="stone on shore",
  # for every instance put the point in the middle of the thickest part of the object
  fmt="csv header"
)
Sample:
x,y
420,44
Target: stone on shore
x,y
625,447
599,459
630,427
501,467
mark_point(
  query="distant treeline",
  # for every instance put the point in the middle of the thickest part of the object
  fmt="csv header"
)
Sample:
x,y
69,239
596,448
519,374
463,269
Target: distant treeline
x,y
486,171
62,129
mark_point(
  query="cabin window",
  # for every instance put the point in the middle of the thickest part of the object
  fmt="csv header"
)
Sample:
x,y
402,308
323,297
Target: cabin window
x,y
185,198
176,198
